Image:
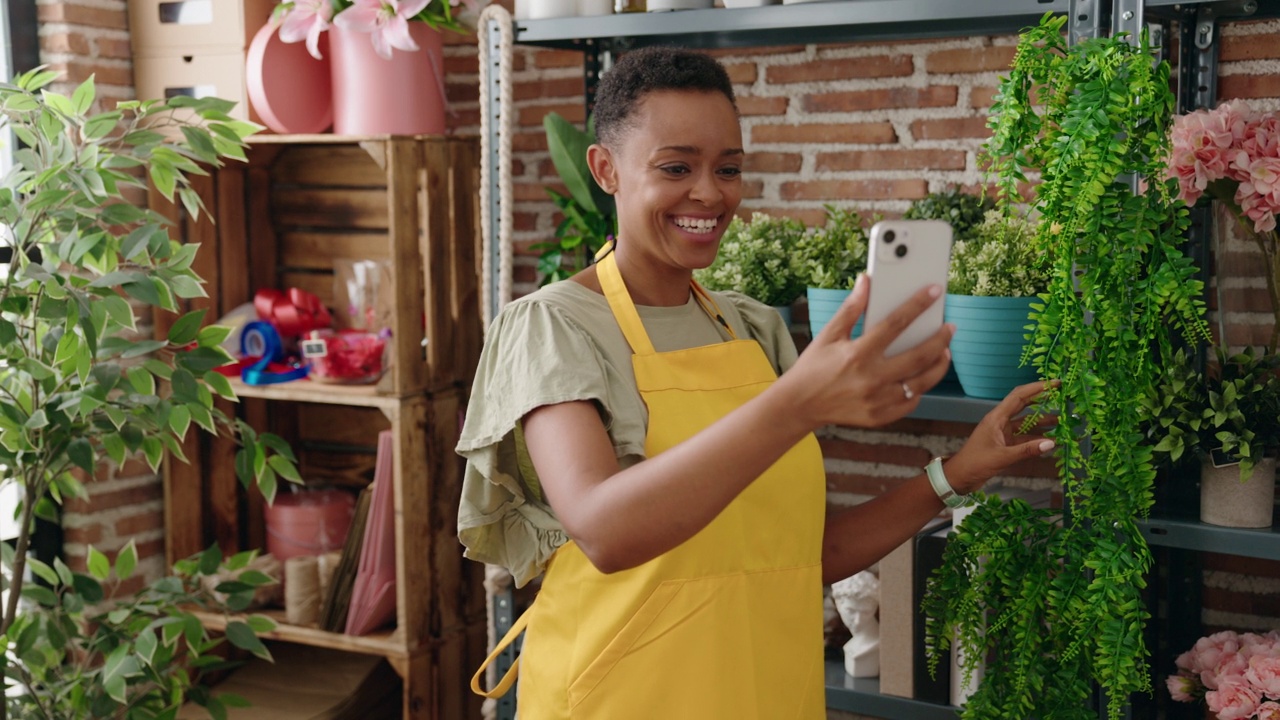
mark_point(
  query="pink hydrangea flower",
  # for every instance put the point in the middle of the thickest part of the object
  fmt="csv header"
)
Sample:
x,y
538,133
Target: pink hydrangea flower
x,y
1201,143
1268,711
387,22
307,19
1183,688
1264,674
1234,699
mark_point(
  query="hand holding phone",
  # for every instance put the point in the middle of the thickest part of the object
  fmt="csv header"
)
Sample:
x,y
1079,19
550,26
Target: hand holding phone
x,y
905,257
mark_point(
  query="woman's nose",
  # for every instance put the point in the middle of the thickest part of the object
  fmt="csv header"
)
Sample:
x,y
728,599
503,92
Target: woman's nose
x,y
706,190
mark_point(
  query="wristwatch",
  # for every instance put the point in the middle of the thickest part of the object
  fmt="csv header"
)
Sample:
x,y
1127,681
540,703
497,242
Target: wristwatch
x,y
938,480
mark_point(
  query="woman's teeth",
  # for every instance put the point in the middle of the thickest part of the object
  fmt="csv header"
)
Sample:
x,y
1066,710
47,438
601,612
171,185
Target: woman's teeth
x,y
695,225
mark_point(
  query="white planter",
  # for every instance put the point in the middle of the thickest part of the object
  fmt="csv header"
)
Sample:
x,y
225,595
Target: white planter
x,y
661,5
542,9
1226,501
750,3
588,8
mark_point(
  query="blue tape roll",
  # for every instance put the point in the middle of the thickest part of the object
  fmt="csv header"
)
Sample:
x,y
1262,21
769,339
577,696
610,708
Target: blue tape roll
x,y
262,340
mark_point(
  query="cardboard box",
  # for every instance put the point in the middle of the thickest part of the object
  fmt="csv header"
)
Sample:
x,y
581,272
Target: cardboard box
x,y
164,27
202,75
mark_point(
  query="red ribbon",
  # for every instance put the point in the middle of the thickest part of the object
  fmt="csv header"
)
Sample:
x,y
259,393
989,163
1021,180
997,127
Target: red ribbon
x,y
294,313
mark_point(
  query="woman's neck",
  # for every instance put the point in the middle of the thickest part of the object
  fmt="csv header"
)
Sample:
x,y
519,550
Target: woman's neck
x,y
652,283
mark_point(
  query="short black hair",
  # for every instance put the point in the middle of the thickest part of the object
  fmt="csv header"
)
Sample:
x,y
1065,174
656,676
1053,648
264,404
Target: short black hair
x,y
652,69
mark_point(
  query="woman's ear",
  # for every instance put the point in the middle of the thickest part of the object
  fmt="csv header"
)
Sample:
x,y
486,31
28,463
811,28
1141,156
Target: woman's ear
x,y
603,169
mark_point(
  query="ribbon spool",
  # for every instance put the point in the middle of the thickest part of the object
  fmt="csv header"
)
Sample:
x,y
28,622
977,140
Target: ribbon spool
x,y
261,340
294,313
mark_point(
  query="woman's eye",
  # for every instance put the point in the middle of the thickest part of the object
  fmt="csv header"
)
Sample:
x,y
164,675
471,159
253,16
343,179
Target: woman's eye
x,y
731,172
675,169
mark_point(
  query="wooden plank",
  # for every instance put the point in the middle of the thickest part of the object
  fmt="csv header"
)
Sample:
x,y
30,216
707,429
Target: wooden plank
x,y
261,230
384,643
255,522
319,250
330,208
435,204
314,392
464,281
233,240
346,469
319,284
339,425
333,166
222,488
456,583
203,233
414,493
419,689
403,167
183,502
162,320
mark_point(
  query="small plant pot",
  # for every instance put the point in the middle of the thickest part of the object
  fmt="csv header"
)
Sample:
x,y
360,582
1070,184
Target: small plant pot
x,y
785,312
1226,501
987,347
823,304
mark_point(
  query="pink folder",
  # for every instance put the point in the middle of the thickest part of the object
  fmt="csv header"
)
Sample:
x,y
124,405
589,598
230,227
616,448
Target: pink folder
x,y
373,598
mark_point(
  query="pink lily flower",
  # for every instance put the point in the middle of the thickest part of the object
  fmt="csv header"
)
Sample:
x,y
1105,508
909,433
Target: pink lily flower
x,y
307,19
386,21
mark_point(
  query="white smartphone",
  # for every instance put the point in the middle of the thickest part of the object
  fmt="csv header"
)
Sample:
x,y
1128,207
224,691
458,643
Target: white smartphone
x,y
905,257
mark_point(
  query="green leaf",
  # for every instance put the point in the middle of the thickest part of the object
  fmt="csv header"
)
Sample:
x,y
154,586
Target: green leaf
x,y
37,420
83,96
145,646
153,449
243,637
568,148
210,559
179,420
220,384
41,595
80,451
213,335
185,329
126,560
261,623
98,564
285,469
43,571
114,447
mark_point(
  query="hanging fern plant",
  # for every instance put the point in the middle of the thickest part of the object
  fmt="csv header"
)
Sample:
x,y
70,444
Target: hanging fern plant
x,y
1050,600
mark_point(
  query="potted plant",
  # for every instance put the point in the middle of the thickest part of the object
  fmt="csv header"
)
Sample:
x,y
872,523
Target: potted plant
x,y
827,261
1233,673
963,211
1051,601
755,260
1228,418
996,276
589,215
1228,155
78,385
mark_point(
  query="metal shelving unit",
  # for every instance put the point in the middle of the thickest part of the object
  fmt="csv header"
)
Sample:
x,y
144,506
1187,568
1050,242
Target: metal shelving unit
x,y
878,20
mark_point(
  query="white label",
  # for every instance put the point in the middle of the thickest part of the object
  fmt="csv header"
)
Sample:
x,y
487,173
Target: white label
x,y
187,12
315,348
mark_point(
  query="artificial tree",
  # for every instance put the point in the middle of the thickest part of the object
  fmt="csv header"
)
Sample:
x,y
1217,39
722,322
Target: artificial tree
x,y
79,385
1051,600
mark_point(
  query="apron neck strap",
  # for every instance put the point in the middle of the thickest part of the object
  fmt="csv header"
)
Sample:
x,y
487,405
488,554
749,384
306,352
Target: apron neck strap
x,y
624,310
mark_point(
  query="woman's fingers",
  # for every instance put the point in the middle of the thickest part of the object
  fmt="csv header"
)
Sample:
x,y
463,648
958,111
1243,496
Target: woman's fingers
x,y
1020,398
841,324
922,357
888,330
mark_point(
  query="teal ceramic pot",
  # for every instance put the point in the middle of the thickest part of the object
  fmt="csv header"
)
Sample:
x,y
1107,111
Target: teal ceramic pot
x,y
823,304
988,343
785,312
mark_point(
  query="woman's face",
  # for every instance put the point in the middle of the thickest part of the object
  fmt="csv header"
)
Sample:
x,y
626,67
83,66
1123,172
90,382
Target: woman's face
x,y
676,173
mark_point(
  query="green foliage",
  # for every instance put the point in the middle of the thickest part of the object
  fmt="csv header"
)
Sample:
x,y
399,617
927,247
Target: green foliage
x,y
131,658
589,214
999,259
1054,604
77,383
963,211
755,259
832,256
1233,408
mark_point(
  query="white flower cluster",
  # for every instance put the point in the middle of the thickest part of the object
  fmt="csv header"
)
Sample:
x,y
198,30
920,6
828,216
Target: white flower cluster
x,y
755,260
1000,260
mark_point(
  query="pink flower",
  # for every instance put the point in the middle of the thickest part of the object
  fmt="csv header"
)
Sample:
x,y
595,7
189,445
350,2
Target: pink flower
x,y
1259,195
1264,674
1183,688
1233,700
387,22
1201,142
1268,711
307,19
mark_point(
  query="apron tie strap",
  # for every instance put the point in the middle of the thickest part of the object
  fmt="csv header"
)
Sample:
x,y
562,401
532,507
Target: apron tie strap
x,y
509,679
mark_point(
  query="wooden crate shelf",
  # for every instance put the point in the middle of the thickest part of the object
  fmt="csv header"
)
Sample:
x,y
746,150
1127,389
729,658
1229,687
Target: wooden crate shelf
x,y
388,644
285,219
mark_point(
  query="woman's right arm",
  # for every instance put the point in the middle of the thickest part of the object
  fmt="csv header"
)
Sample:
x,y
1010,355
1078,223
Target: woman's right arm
x,y
624,518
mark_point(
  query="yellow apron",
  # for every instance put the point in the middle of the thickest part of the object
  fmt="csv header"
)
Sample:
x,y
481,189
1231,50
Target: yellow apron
x,y
728,624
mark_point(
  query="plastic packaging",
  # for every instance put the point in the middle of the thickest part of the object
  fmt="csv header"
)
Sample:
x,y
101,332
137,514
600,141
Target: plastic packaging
x,y
350,357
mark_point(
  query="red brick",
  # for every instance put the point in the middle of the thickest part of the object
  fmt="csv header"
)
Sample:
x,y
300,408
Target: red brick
x,y
524,221
115,48
892,160
982,97
970,60
140,523
1238,334
743,73
78,72
150,549
524,274
950,128
855,190
129,586
751,105
73,43
463,118
1039,467
124,497
836,449
1241,565
557,59
1244,603
529,141
931,427
1248,86
546,169
773,50
852,133
862,484
1243,300
902,97
468,64
1248,47
773,162
459,38
552,88
752,189
81,15
532,115
463,92
535,192
878,66
811,217
86,535
1241,264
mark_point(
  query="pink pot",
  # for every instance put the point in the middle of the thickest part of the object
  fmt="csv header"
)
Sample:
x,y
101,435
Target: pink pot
x,y
400,96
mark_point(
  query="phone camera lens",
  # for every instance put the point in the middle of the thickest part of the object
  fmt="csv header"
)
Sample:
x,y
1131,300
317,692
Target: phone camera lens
x,y
900,251
890,236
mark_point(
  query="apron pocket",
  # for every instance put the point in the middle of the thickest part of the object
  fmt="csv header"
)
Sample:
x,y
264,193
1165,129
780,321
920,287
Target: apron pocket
x,y
621,644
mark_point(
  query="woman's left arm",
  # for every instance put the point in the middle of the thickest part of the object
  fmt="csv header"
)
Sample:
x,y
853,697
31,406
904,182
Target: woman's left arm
x,y
858,537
